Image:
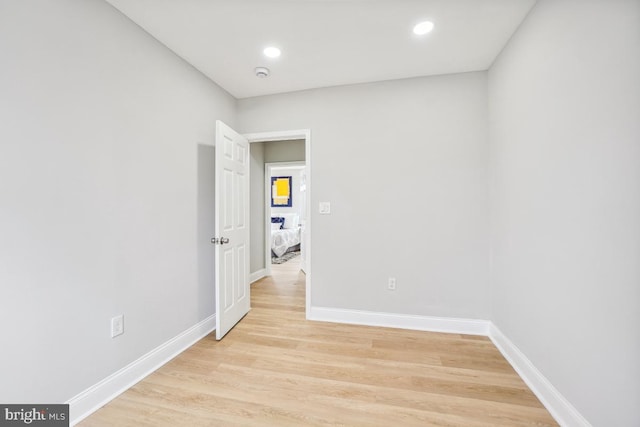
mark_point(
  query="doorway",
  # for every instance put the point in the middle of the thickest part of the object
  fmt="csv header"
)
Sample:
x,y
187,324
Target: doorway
x,y
261,229
286,214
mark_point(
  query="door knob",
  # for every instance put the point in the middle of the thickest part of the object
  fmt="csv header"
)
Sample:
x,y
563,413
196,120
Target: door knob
x,y
219,241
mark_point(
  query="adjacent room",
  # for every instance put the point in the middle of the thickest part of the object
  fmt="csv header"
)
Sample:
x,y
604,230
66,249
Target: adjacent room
x,y
277,166
456,185
287,197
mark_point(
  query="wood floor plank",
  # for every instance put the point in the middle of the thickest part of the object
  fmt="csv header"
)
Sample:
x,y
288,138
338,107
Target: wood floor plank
x,y
277,369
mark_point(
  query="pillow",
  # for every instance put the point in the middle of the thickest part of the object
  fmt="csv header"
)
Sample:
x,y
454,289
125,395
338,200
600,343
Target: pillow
x,y
290,220
277,220
276,226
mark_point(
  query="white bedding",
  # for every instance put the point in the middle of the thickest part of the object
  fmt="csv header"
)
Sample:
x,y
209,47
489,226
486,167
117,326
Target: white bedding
x,y
281,240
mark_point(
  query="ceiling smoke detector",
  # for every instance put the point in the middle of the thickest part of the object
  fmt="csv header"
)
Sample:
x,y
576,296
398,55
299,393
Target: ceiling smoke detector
x,y
262,72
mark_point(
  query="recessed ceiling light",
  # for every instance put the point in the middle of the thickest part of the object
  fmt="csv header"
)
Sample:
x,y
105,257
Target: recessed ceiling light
x,y
271,52
423,28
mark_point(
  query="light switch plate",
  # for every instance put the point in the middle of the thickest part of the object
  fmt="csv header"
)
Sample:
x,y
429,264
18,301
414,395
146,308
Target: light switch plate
x,y
325,208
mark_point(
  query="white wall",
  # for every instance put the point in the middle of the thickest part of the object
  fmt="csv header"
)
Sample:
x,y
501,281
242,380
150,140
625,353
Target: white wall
x,y
99,197
565,142
284,151
404,165
257,205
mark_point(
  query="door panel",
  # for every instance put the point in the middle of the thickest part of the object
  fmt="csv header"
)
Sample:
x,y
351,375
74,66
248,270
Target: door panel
x,y
232,217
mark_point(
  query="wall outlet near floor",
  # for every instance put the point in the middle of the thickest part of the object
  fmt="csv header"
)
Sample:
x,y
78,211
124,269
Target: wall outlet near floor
x,y
117,326
392,284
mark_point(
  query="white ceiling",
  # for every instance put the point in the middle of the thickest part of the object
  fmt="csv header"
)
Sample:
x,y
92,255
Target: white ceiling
x,y
327,42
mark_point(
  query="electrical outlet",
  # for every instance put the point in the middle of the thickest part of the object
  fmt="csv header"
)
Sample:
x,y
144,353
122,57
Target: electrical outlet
x,y
392,284
117,326
324,208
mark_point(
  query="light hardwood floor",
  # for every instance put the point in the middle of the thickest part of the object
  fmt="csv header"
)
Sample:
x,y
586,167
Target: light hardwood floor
x,y
277,369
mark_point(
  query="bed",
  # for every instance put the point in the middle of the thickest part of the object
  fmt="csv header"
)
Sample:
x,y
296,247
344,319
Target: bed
x,y
285,235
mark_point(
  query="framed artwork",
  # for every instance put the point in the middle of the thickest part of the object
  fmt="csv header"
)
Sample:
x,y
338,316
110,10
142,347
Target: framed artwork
x,y
281,192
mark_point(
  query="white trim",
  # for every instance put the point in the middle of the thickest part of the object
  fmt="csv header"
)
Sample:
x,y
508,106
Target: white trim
x,y
308,228
257,275
403,321
559,407
266,223
286,136
98,395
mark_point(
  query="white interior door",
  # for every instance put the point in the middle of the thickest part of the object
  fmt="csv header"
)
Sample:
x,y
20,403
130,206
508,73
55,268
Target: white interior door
x,y
232,228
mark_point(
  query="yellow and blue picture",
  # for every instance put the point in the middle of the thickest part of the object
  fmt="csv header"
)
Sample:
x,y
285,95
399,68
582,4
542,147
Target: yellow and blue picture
x,y
281,191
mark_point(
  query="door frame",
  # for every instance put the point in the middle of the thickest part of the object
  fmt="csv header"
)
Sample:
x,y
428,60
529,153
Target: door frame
x,y
268,167
288,135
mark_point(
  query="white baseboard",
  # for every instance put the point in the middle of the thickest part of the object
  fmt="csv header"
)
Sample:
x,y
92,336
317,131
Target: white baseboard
x,y
254,277
96,396
92,399
559,407
403,321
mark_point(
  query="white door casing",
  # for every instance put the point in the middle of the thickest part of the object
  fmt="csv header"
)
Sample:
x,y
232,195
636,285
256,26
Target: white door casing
x,y
288,135
233,299
303,216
